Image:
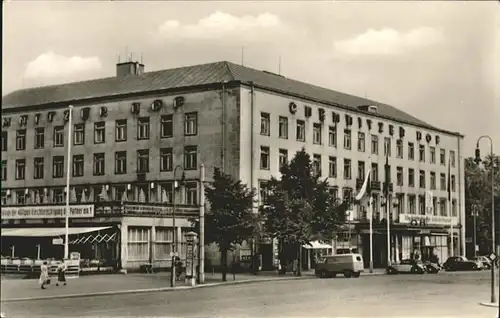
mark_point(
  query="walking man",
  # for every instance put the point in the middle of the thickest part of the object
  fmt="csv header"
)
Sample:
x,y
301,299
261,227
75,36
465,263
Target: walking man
x,y
61,273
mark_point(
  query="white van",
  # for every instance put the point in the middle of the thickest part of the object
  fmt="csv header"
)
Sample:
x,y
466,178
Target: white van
x,y
351,265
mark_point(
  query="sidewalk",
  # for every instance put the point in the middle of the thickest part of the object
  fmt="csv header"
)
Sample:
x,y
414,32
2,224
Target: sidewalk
x,y
95,285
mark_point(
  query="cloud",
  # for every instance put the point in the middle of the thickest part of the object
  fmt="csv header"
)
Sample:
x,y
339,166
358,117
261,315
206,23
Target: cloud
x,y
388,41
220,24
52,65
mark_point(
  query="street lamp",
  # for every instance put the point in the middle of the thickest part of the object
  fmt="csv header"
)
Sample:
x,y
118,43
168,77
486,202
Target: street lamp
x,y
174,249
493,228
474,215
68,171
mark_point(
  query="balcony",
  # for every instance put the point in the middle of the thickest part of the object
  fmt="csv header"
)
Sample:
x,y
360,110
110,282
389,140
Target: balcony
x,y
375,185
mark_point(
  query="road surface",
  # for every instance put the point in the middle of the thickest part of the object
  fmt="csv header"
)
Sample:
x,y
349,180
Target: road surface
x,y
442,295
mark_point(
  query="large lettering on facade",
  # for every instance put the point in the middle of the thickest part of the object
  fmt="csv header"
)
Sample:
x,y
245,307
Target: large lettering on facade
x,y
424,220
47,212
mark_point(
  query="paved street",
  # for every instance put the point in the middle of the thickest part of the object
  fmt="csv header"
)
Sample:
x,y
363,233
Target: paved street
x,y
443,295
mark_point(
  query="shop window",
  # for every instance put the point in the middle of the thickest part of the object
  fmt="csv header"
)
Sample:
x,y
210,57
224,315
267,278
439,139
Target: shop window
x,y
138,244
164,242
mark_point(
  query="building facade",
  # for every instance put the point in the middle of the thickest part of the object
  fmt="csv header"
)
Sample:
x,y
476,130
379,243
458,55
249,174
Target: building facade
x,y
138,140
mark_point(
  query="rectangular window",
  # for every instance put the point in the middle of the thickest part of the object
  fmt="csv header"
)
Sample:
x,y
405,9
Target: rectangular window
x,y
58,166
421,153
143,160
411,151
412,204
192,193
166,159
121,130
452,158
99,164
454,208
78,165
347,139
332,167
99,132
143,128
167,126
411,177
361,141
301,130
21,139
387,146
283,127
442,181
432,151
433,180
374,145
347,169
264,158
332,136
38,168
374,175
20,169
120,162
20,197
422,179
58,136
5,137
442,207
190,157
399,149
79,134
57,195
4,170
164,242
283,159
265,128
442,156
453,186
421,204
317,134
39,137
361,170
138,243
399,176
191,124
316,164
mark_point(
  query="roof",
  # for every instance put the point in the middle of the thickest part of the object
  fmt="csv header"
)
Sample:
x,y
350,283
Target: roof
x,y
196,75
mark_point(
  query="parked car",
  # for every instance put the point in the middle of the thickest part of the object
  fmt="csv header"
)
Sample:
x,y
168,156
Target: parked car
x,y
484,260
407,266
432,268
461,263
351,265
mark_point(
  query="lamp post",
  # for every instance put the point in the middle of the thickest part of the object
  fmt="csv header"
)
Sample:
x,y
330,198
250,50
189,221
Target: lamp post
x,y
68,171
174,249
493,228
201,237
474,215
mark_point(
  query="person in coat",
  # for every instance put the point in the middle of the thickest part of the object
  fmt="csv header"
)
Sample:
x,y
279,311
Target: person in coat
x,y
44,275
61,273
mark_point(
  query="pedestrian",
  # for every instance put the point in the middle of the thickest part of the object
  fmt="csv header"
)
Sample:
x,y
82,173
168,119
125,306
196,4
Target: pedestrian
x,y
61,273
178,268
44,275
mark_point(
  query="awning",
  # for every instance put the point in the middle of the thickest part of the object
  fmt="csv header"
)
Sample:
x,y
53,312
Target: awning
x,y
316,245
50,232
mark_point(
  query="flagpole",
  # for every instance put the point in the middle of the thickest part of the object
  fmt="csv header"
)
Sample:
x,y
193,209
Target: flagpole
x,y
448,207
387,216
68,171
370,207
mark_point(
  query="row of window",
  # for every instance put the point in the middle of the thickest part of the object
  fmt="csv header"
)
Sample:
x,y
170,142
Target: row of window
x,y
99,169
143,132
57,195
265,130
347,169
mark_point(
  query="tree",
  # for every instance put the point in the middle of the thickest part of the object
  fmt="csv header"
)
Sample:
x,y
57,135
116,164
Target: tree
x,y
230,219
299,207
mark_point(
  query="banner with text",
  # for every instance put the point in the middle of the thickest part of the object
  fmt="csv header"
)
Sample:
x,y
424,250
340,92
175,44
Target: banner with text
x,y
47,212
423,220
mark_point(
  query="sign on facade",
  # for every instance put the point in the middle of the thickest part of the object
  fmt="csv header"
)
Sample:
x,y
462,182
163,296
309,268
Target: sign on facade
x,y
57,241
47,212
423,220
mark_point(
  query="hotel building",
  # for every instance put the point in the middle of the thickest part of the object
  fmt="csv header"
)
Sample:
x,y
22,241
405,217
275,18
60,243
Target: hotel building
x,y
132,130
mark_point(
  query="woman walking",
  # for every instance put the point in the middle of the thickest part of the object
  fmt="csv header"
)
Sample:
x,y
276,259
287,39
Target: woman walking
x,y
44,275
61,273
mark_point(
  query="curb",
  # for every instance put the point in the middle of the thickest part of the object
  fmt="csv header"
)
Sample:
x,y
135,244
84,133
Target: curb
x,y
489,304
152,290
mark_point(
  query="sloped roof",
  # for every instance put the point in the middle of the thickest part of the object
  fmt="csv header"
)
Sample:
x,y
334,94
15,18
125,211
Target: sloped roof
x,y
192,76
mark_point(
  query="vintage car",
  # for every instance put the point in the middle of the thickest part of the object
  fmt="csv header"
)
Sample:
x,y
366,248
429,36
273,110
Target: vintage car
x,y
351,265
483,259
461,263
407,266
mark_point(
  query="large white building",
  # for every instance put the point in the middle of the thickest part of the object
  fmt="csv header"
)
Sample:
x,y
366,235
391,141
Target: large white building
x,y
222,115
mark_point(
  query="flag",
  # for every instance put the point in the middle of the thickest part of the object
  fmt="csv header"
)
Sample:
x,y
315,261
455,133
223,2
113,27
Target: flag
x,y
387,175
449,180
366,189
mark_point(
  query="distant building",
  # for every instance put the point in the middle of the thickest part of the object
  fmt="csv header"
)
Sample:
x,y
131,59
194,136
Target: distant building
x,y
131,131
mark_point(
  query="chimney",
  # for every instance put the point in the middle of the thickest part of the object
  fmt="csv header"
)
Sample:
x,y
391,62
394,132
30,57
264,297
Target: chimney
x,y
129,68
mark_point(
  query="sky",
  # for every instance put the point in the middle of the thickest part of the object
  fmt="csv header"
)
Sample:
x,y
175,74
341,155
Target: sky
x,y
439,61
